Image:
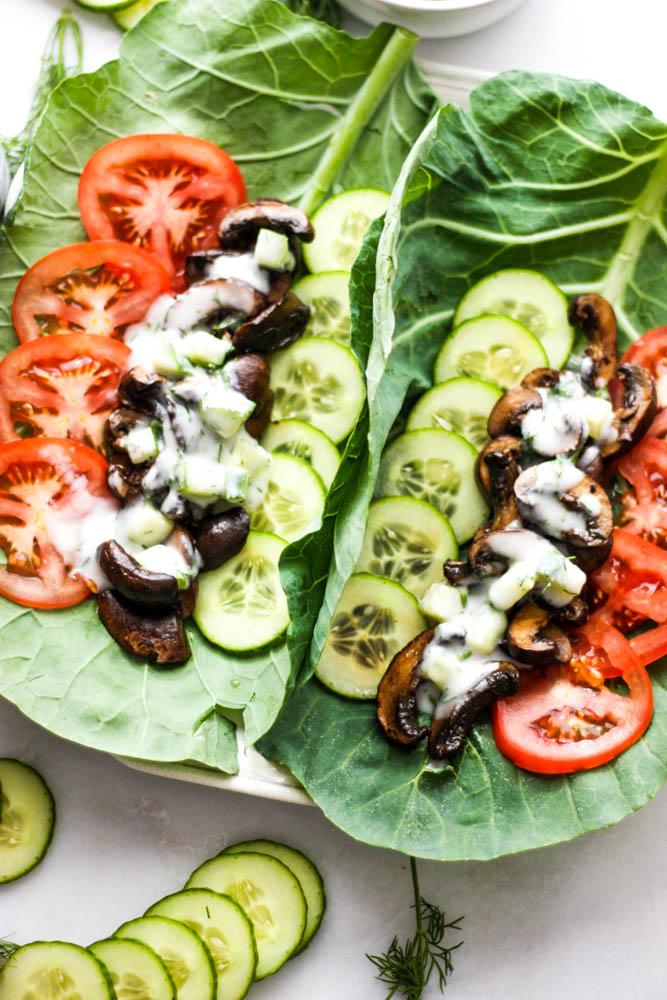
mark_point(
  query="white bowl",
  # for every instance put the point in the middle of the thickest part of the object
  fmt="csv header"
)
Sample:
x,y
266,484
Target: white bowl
x,y
432,18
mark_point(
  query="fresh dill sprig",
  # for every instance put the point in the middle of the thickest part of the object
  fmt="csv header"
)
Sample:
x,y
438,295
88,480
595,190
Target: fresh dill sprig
x,y
407,969
7,949
64,43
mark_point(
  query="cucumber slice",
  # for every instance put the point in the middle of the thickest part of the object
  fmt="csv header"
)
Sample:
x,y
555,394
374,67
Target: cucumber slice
x,y
106,6
318,381
293,500
374,618
136,971
340,224
328,296
406,540
305,871
129,16
54,970
439,467
494,348
183,952
224,929
26,821
461,405
242,605
300,440
271,897
528,297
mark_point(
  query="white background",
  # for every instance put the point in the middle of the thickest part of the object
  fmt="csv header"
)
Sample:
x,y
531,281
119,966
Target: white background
x,y
580,920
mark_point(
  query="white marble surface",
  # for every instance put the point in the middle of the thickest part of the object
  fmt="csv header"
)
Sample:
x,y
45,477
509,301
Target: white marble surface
x,y
581,920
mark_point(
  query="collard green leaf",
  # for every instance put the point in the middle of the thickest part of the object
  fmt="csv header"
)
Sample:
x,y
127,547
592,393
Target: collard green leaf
x,y
546,173
277,91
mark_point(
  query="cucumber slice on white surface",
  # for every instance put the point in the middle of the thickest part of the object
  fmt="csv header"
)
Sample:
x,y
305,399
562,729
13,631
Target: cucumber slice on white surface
x,y
242,606
318,381
131,15
225,930
340,224
105,6
300,440
496,349
183,952
293,500
531,299
328,296
309,878
406,540
439,467
27,818
373,620
271,896
461,405
54,970
136,971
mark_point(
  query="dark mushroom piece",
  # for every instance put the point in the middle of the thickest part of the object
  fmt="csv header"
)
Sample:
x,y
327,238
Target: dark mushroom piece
x,y
497,468
250,374
635,414
158,637
240,225
273,328
397,710
214,298
221,536
143,390
124,478
453,719
140,586
595,316
181,540
573,614
458,573
260,418
541,378
201,266
511,408
533,637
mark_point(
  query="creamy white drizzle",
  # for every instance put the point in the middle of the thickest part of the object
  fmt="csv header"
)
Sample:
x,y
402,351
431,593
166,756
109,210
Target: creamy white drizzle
x,y
242,267
539,503
568,416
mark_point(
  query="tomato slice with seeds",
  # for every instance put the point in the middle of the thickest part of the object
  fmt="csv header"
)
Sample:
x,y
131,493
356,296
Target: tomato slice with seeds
x,y
643,508
40,480
650,351
573,717
631,585
97,288
651,645
166,193
61,387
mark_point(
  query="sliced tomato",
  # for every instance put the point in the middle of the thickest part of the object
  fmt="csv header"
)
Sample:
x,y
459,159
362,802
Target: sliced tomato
x,y
643,508
650,351
61,387
631,585
566,717
97,288
651,645
42,479
167,193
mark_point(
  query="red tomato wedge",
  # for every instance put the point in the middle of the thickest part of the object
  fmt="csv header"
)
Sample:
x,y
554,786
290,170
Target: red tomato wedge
x,y
631,585
564,718
39,480
97,288
166,193
644,507
650,351
650,646
61,387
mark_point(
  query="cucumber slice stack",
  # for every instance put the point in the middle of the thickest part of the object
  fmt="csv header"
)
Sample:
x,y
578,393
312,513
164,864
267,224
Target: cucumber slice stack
x,y
27,818
32,971
495,349
135,970
300,440
187,958
461,405
293,501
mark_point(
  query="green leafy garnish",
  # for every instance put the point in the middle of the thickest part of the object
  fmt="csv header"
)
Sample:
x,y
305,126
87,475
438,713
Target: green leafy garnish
x,y
7,949
407,968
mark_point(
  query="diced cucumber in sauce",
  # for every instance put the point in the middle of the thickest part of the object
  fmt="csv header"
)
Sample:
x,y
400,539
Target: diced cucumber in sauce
x,y
145,524
300,440
272,250
27,818
340,224
461,405
495,349
293,502
328,296
183,952
271,896
141,444
136,971
54,970
202,348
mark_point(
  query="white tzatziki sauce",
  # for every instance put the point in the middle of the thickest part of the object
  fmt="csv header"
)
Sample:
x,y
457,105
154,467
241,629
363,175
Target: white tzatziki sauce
x,y
569,415
539,503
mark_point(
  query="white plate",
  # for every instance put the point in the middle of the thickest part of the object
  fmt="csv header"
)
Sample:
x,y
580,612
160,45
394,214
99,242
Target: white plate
x,y
256,775
433,18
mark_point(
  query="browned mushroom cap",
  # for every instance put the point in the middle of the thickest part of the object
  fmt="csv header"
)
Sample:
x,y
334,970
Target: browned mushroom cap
x,y
217,297
542,378
250,374
595,316
579,514
136,584
458,573
574,613
260,418
453,719
221,536
143,390
124,478
158,637
240,225
532,637
397,694
497,470
634,416
273,328
511,408
200,266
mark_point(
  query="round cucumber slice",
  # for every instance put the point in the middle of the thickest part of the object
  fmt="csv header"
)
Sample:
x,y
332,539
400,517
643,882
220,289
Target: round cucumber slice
x,y
136,971
26,820
303,868
293,500
532,300
340,224
300,440
224,929
270,895
406,540
373,620
242,606
328,296
439,467
461,405
54,970
183,952
318,381
493,348
131,15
